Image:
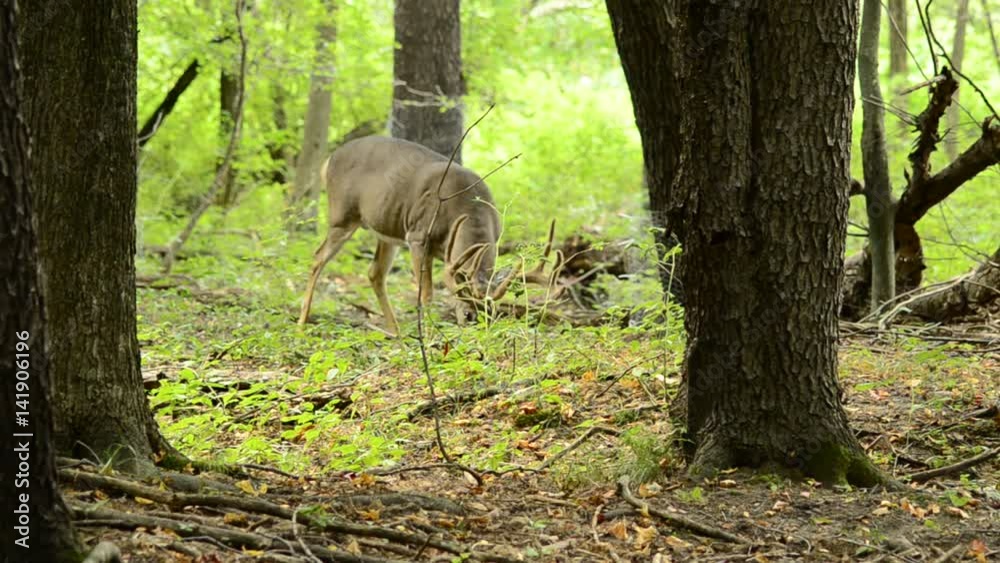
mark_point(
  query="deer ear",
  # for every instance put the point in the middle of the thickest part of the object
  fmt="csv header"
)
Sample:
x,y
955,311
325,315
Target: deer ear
x,y
452,235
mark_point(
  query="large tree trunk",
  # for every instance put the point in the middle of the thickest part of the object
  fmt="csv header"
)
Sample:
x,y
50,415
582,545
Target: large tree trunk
x,y
656,96
306,195
80,92
427,70
879,204
952,140
35,523
760,202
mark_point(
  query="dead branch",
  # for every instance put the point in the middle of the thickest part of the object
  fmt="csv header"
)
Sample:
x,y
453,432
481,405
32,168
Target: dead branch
x,y
259,506
94,516
927,192
227,162
928,123
456,399
576,444
968,294
699,528
155,121
921,476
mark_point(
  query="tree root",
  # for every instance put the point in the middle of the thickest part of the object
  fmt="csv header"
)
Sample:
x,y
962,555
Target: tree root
x,y
320,522
694,526
94,516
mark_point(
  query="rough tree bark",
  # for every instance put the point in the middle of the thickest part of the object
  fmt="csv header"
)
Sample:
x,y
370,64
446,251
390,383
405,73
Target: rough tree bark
x,y
656,98
427,70
952,140
305,196
35,523
760,201
878,190
80,57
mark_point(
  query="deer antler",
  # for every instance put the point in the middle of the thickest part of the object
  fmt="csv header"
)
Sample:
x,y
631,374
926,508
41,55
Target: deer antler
x,y
537,274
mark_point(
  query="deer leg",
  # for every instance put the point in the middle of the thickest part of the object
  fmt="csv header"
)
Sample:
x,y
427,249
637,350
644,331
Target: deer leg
x,y
335,239
422,264
376,275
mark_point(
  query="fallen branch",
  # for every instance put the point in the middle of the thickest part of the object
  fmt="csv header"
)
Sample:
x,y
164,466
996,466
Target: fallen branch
x,y
259,506
699,528
104,517
576,444
921,476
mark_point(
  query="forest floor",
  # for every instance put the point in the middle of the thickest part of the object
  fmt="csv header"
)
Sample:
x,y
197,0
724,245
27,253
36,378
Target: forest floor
x,y
335,424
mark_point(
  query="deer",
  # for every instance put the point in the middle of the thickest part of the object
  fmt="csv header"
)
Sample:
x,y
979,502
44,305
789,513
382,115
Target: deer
x,y
408,194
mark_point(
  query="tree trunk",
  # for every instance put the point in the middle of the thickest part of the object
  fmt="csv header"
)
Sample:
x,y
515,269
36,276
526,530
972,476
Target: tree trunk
x,y
279,149
306,195
993,33
36,524
760,204
645,43
951,142
427,68
227,116
878,190
81,59
898,57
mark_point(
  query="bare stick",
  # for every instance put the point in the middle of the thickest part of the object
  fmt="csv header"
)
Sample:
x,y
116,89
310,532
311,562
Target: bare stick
x,y
424,265
227,162
699,528
921,476
576,444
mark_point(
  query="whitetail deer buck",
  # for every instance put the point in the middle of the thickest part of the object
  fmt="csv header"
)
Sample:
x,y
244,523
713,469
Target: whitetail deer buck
x,y
395,189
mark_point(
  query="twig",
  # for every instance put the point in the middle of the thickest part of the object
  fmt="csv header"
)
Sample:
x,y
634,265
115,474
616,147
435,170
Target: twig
x,y
921,476
231,537
576,444
425,263
302,543
269,469
944,53
626,372
259,506
699,528
947,556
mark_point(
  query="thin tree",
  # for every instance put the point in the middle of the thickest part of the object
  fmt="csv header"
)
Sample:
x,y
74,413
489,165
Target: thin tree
x,y
761,208
427,68
952,140
878,191
36,523
304,199
79,61
898,57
